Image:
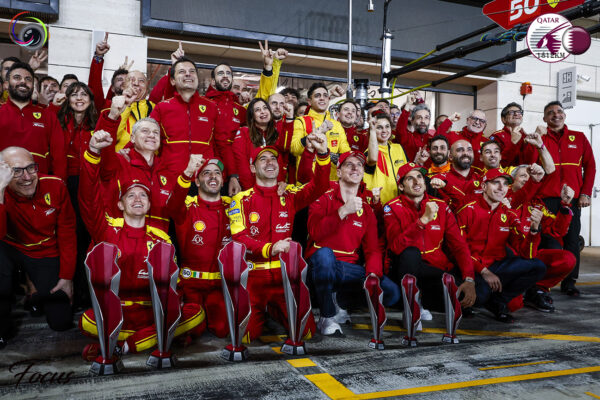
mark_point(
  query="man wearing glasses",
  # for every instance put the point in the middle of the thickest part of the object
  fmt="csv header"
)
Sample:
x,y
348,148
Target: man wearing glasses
x,y
37,232
473,133
511,136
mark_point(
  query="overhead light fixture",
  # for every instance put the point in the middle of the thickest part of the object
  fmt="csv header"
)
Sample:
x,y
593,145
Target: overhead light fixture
x,y
371,6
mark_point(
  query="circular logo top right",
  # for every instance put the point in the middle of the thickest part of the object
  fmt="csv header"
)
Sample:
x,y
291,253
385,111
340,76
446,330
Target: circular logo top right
x,y
552,38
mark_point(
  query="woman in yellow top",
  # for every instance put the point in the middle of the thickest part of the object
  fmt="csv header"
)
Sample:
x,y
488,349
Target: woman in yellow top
x,y
384,158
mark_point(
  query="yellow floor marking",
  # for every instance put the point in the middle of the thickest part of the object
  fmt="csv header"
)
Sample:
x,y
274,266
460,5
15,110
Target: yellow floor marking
x,y
588,283
330,386
471,332
272,338
592,395
277,350
477,382
302,362
516,365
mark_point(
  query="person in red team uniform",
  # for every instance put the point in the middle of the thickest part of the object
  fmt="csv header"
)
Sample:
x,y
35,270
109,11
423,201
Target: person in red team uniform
x,y
262,220
32,127
342,227
418,229
202,230
261,131
472,132
559,262
37,232
189,123
134,238
489,227
358,139
576,167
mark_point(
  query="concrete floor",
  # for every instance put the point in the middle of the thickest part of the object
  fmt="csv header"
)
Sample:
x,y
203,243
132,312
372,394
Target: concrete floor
x,y
541,356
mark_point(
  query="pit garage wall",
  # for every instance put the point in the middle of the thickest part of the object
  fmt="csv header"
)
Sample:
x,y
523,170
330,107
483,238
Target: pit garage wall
x,y
493,97
70,44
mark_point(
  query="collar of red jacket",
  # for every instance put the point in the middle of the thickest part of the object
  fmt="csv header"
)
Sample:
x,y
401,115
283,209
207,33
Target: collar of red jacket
x,y
9,102
217,95
409,203
138,160
134,232
265,191
470,134
460,176
211,205
558,135
194,97
21,199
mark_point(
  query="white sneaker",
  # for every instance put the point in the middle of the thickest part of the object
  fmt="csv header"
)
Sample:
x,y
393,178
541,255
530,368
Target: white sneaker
x,y
426,315
328,326
342,316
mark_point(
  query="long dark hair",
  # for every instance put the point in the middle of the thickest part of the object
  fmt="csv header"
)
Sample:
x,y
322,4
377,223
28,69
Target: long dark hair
x,y
66,112
255,136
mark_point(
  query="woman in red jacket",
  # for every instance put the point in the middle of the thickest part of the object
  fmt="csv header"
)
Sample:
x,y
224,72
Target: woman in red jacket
x,y
77,117
260,131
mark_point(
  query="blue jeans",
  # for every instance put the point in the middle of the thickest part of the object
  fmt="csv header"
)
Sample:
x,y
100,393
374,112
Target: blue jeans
x,y
516,275
330,274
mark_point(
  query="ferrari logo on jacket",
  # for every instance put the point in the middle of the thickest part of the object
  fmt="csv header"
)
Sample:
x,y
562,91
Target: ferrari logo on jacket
x,y
163,180
47,198
235,111
37,115
572,138
202,108
282,200
503,217
360,212
356,138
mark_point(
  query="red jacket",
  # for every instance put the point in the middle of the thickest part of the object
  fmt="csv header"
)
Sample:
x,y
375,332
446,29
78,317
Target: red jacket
x,y
95,85
233,116
488,232
404,229
133,243
259,217
552,225
511,152
571,152
202,228
186,128
411,142
163,90
77,140
242,151
43,226
476,140
458,190
346,237
37,130
357,139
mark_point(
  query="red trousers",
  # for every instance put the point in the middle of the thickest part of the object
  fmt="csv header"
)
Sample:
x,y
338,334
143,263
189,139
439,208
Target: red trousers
x,y
266,295
138,328
209,295
559,264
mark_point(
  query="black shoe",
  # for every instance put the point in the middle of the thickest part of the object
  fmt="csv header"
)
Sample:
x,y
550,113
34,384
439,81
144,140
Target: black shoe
x,y
2,342
568,287
500,312
467,312
537,299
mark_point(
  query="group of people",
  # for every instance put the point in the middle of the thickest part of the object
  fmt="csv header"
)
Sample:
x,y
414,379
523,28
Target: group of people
x,y
375,192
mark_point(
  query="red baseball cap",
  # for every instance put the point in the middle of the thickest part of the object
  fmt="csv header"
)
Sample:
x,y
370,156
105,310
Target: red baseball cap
x,y
494,173
212,161
257,151
406,168
129,184
357,154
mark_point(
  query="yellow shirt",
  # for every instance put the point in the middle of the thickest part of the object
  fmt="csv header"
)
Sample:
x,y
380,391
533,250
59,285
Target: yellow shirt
x,y
391,157
336,138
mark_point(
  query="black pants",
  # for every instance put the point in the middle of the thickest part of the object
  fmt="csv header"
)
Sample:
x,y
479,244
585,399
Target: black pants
x,y
571,239
43,272
429,279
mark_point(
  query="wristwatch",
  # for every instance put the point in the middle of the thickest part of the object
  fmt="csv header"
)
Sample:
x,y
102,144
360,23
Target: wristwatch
x,y
469,279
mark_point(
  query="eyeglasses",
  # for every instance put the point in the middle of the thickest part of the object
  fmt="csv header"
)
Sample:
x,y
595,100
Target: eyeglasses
x,y
515,112
31,169
480,120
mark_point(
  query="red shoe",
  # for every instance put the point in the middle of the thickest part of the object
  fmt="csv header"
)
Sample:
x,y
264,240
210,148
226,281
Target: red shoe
x,y
90,352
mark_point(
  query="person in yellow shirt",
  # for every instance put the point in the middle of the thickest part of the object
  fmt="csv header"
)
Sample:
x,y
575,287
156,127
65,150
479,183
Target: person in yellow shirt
x,y
384,158
319,119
